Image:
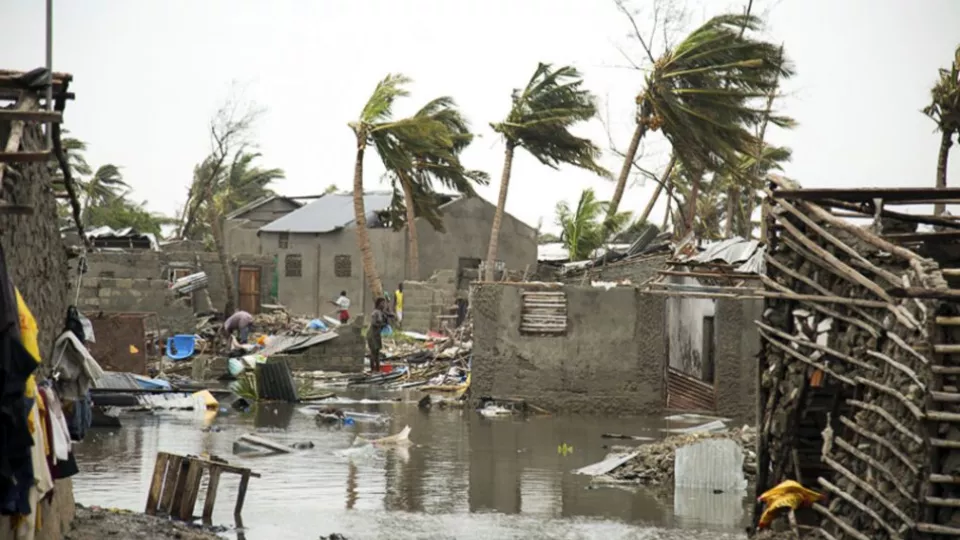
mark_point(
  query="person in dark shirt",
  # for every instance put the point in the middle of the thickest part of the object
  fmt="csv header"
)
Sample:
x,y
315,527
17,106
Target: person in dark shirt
x,y
379,320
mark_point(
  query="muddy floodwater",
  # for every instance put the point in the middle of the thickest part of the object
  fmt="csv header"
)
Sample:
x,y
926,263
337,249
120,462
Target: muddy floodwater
x,y
464,476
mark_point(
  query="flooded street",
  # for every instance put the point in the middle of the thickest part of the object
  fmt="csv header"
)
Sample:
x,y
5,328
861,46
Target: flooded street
x,y
464,477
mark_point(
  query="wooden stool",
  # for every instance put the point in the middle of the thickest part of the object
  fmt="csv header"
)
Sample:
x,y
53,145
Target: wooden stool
x,y
176,485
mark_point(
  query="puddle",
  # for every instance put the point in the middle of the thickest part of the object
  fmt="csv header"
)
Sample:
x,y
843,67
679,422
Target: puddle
x,y
463,477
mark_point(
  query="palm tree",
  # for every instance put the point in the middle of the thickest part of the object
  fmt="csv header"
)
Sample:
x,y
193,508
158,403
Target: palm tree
x,y
583,232
944,109
105,185
539,121
699,94
224,190
429,164
397,142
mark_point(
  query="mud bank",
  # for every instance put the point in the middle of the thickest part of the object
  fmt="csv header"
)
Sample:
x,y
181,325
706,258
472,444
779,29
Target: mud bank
x,y
94,523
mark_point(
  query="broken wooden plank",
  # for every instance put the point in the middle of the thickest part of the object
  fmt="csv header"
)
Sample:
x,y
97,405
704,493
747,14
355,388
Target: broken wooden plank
x,y
211,497
25,157
11,115
156,484
250,438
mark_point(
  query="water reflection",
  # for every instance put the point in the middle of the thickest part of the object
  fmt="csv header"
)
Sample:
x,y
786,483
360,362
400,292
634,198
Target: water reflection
x,y
465,476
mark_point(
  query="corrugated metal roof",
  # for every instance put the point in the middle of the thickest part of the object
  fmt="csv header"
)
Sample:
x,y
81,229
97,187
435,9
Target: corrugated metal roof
x,y
114,380
258,203
328,213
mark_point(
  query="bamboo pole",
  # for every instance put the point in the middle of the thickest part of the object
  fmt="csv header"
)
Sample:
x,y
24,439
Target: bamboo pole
x,y
855,480
876,465
888,417
882,441
894,535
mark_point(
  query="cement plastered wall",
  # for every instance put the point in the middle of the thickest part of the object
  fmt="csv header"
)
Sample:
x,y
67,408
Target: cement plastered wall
x,y
240,231
467,224
129,295
37,264
610,361
737,349
318,284
685,326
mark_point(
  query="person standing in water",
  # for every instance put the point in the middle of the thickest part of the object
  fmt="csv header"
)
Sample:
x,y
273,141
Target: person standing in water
x,y
379,320
343,307
398,303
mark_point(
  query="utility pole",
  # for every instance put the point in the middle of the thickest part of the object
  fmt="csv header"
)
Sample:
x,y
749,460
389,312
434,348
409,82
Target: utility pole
x,y
50,70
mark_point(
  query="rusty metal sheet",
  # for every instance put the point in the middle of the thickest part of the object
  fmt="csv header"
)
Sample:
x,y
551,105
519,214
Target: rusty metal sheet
x,y
116,332
685,393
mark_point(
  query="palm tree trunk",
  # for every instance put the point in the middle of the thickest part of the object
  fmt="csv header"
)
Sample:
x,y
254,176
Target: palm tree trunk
x,y
413,247
625,171
664,178
498,215
945,142
692,203
228,285
360,214
666,215
731,208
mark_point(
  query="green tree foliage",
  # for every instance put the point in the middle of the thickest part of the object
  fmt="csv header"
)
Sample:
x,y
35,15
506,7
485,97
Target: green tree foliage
x,y
944,109
583,228
540,119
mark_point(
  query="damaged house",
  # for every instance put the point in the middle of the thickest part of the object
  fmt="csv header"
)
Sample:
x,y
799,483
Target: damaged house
x,y
317,254
859,382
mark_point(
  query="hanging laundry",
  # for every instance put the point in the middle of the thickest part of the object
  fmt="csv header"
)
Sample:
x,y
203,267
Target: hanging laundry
x,y
75,324
74,369
79,417
58,431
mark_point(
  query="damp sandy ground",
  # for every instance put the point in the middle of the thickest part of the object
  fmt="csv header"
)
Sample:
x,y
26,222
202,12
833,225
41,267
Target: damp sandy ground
x,y
465,477
101,524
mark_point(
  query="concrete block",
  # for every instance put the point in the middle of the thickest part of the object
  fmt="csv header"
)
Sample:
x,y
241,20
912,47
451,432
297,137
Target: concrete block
x,y
124,283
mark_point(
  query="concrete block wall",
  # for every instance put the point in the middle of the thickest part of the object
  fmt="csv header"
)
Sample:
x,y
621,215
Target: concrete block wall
x,y
143,267
118,295
425,301
344,354
637,270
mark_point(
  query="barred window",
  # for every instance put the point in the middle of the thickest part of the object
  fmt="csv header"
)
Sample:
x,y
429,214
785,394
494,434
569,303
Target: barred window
x,y
283,241
342,266
293,266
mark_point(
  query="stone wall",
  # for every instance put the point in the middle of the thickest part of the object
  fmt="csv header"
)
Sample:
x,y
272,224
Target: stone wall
x,y
37,264
737,357
611,359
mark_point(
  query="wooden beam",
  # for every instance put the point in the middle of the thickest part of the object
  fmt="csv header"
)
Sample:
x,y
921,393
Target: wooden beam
x,y
10,115
25,157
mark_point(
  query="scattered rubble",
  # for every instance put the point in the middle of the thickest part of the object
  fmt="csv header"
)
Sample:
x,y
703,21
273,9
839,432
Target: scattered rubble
x,y
654,463
95,523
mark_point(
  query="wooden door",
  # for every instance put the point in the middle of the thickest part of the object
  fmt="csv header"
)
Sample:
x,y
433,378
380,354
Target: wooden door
x,y
250,289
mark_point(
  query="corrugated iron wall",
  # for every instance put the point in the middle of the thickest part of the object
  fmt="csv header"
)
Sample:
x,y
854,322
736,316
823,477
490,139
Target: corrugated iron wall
x,y
685,393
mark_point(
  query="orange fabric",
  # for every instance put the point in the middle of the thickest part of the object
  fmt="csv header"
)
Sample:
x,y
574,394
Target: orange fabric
x,y
816,380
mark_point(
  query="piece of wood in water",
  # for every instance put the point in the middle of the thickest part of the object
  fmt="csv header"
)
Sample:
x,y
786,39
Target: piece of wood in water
x,y
627,437
256,440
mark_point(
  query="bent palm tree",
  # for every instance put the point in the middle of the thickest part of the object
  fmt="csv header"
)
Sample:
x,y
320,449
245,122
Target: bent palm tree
x,y
397,142
105,185
440,164
944,109
699,94
539,121
582,231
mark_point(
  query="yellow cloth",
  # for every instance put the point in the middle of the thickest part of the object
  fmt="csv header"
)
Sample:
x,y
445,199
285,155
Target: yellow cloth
x,y
28,336
399,296
787,494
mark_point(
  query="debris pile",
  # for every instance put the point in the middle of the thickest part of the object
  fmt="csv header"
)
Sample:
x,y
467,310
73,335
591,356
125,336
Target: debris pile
x,y
654,463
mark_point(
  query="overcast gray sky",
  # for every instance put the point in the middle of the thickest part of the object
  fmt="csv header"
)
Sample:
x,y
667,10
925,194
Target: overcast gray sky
x,y
149,74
